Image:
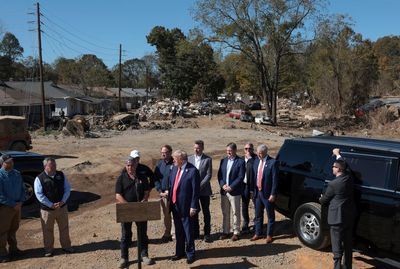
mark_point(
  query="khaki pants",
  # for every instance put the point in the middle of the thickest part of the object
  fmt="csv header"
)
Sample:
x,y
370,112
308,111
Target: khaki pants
x,y
48,217
228,203
169,230
9,224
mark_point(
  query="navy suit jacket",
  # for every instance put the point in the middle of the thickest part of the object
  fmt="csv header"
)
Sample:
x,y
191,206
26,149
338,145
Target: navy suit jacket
x,y
270,177
188,189
236,175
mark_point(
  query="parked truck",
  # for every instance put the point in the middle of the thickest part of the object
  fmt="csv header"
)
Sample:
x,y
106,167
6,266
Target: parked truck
x,y
14,134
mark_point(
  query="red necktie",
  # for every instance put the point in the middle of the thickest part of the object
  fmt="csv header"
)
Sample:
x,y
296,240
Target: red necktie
x,y
177,178
260,174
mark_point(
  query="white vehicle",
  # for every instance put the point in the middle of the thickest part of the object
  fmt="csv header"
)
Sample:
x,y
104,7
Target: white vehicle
x,y
262,118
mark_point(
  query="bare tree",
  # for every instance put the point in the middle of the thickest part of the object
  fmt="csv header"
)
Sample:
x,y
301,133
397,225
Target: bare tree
x,y
264,31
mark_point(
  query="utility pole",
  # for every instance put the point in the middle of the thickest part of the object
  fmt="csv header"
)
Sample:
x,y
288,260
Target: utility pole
x,y
41,67
120,77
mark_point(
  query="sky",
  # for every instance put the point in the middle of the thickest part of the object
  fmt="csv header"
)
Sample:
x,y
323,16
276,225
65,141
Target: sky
x,y
75,27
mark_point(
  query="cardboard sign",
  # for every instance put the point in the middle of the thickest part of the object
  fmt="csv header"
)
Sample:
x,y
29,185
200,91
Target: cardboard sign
x,y
138,211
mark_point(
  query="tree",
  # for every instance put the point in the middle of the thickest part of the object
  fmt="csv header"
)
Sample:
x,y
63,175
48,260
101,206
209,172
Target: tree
x,y
343,68
10,47
187,67
67,70
262,30
92,71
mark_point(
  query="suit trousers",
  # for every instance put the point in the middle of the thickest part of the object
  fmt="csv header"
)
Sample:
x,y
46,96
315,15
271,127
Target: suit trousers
x,y
261,203
126,238
9,225
47,218
205,207
245,211
184,234
228,203
342,243
167,217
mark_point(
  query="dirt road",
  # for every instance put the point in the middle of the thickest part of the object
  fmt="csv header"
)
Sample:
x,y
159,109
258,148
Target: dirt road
x,y
92,166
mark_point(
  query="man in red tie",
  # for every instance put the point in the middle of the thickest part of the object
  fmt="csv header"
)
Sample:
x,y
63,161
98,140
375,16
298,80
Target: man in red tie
x,y
184,196
266,177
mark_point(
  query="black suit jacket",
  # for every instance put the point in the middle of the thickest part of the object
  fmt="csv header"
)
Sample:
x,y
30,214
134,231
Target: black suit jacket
x,y
339,195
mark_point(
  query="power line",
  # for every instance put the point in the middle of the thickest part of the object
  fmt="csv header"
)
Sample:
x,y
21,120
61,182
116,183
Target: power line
x,y
77,30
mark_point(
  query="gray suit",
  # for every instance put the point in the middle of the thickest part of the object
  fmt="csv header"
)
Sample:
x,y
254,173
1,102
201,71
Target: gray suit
x,y
339,195
205,171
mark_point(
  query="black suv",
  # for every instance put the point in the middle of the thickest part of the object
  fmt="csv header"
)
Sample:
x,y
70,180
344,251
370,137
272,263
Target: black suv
x,y
29,164
305,169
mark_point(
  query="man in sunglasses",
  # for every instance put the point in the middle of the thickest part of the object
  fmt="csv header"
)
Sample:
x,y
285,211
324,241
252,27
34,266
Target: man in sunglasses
x,y
249,157
339,196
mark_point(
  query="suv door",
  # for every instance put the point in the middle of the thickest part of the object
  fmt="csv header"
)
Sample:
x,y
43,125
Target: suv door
x,y
376,199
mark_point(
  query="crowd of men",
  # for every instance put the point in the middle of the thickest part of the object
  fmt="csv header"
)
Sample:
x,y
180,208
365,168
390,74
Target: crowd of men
x,y
184,188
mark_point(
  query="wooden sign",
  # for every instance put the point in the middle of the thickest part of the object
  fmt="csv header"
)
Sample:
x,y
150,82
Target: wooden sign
x,y
138,211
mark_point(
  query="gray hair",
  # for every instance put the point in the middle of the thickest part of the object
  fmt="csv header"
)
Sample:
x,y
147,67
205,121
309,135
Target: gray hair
x,y
180,154
262,148
48,159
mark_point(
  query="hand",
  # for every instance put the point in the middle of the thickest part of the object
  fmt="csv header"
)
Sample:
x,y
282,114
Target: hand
x,y
224,187
228,189
336,151
271,198
251,195
193,212
164,194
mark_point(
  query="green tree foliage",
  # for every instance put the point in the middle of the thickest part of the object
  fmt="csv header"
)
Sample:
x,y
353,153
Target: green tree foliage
x,y
10,47
187,67
343,67
262,30
67,70
387,50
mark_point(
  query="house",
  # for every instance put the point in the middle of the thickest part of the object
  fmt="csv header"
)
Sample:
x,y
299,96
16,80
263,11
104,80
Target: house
x,y
24,99
131,98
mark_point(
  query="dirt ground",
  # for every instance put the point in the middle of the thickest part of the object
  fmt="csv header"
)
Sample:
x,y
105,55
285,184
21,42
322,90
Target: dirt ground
x,y
92,166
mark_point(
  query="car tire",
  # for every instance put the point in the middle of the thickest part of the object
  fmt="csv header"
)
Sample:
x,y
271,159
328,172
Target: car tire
x,y
18,146
309,228
29,189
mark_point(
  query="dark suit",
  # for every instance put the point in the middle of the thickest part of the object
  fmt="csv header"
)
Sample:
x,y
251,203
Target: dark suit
x,y
231,200
247,191
339,195
187,197
269,183
205,171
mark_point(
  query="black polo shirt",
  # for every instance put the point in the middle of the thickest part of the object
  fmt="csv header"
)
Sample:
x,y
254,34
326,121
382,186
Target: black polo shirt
x,y
133,189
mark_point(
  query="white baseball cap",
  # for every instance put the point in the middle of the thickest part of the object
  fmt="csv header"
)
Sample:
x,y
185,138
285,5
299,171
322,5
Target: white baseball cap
x,y
135,154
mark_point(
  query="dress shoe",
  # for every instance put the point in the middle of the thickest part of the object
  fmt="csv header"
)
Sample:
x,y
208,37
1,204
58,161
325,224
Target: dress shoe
x,y
123,263
166,238
148,261
235,237
4,259
256,237
207,239
269,239
224,236
177,258
190,260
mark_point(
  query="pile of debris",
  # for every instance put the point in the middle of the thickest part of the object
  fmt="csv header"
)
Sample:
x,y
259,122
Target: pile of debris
x,y
168,109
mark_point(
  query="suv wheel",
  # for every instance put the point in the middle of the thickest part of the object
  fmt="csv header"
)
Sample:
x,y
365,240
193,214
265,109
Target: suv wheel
x,y
28,184
307,224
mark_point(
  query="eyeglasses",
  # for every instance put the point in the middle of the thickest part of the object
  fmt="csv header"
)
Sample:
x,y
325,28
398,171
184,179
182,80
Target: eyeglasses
x,y
247,148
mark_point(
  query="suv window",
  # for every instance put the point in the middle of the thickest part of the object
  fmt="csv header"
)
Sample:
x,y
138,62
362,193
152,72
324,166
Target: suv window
x,y
370,170
304,157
